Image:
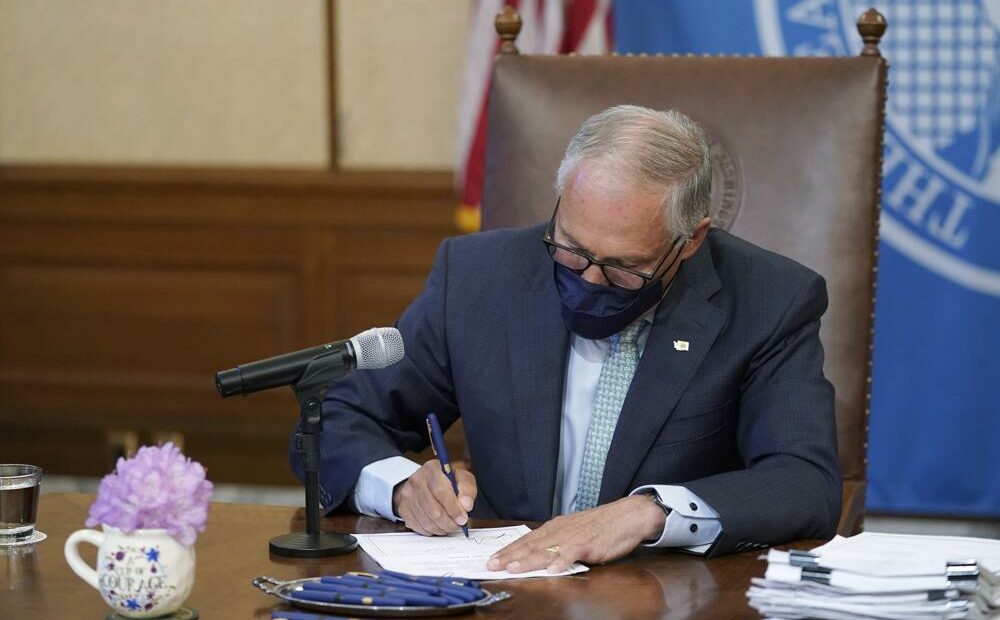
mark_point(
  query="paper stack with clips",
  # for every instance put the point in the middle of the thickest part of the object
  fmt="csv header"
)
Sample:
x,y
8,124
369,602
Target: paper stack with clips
x,y
883,576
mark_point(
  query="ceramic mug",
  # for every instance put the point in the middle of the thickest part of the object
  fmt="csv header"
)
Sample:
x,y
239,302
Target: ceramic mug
x,y
141,575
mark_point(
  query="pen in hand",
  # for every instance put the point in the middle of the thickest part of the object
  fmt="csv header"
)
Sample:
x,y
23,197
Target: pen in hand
x,y
441,452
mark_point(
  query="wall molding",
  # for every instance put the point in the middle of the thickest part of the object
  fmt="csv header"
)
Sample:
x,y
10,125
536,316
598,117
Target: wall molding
x,y
123,289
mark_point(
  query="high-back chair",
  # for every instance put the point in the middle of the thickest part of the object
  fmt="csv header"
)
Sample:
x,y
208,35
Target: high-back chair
x,y
797,147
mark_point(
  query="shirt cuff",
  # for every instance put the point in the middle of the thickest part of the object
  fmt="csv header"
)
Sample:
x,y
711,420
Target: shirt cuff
x,y
692,524
373,491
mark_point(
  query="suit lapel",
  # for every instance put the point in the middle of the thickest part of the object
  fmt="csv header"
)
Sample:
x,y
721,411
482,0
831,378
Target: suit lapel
x,y
664,371
538,345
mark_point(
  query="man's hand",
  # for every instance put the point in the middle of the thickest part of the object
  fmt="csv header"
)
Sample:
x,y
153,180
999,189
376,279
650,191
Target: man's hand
x,y
427,503
597,535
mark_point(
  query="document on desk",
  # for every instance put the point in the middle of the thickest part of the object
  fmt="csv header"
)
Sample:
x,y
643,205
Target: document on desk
x,y
884,576
454,555
897,555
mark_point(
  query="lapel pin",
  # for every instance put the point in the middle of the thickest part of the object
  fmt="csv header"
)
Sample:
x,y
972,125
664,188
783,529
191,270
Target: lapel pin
x,y
681,345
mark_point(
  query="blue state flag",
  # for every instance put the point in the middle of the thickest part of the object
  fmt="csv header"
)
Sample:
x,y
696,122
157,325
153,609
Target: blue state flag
x,y
935,422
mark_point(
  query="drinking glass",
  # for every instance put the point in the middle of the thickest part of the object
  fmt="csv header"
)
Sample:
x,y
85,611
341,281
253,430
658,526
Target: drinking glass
x,y
19,490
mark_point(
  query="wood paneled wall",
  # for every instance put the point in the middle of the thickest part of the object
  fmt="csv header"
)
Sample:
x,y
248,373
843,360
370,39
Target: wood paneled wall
x,y
122,292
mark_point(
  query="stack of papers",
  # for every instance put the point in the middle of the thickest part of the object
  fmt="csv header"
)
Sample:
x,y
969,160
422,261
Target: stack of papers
x,y
890,576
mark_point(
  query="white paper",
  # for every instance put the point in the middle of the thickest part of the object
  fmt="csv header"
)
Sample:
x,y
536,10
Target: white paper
x,y
797,603
862,583
905,554
886,577
450,556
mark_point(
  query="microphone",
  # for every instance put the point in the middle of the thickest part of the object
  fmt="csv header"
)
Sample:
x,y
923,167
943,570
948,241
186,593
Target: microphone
x,y
373,348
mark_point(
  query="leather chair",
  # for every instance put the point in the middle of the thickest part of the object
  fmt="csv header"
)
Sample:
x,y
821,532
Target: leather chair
x,y
797,145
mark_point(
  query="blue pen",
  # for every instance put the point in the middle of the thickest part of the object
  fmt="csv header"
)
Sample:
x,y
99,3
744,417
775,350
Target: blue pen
x,y
349,599
465,594
440,451
380,584
289,614
301,615
383,582
451,581
447,585
411,597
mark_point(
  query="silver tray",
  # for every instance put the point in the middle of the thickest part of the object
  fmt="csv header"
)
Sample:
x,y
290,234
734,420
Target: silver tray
x,y
281,589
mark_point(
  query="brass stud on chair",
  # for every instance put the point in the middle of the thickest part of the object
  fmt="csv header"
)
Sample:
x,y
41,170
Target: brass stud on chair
x,y
871,27
508,24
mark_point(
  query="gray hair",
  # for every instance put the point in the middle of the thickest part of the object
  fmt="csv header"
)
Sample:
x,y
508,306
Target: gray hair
x,y
658,151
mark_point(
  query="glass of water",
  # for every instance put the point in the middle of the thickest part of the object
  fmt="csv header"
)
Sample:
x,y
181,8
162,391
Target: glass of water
x,y
19,490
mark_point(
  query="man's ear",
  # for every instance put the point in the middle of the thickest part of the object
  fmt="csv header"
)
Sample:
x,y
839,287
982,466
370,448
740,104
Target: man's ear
x,y
697,237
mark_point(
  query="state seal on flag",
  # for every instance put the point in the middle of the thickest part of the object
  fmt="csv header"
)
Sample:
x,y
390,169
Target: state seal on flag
x,y
941,192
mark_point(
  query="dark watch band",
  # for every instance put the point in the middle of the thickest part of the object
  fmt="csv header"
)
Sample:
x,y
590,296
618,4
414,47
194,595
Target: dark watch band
x,y
653,495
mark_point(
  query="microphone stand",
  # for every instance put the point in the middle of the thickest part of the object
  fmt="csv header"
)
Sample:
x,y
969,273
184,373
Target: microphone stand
x,y
309,391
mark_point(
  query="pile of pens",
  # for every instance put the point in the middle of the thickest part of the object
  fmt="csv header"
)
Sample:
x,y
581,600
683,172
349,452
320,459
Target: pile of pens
x,y
388,589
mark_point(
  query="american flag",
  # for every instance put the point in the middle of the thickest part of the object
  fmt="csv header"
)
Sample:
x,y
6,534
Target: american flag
x,y
549,27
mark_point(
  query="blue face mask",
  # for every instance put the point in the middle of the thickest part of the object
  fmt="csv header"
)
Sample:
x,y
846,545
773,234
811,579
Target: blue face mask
x,y
594,311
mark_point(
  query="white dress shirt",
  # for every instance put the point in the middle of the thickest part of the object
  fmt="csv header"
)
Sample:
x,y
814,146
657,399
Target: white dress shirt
x,y
692,524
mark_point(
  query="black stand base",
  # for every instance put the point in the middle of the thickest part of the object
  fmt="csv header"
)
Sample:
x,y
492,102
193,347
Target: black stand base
x,y
305,545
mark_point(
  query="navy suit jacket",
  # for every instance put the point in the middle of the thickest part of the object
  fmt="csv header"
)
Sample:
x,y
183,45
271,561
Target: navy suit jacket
x,y
744,417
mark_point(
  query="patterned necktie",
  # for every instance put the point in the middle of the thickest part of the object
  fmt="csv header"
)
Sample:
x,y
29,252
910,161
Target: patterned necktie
x,y
616,375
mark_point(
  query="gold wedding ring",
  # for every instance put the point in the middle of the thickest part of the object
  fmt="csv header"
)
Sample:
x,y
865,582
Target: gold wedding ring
x,y
553,549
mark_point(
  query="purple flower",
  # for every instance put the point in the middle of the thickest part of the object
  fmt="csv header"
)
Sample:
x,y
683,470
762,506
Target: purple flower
x,y
157,488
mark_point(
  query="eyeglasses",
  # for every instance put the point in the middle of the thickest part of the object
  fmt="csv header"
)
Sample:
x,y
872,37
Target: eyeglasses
x,y
616,275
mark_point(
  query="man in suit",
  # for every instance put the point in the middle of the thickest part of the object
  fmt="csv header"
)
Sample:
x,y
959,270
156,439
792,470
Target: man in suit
x,y
625,368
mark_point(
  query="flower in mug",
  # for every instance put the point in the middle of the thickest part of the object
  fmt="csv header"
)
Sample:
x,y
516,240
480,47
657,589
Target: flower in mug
x,y
157,488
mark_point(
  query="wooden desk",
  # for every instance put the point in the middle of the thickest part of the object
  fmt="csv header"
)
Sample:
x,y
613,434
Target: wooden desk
x,y
233,550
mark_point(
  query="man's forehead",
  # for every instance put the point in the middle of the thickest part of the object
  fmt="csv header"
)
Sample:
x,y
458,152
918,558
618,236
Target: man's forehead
x,y
613,207
626,225
593,185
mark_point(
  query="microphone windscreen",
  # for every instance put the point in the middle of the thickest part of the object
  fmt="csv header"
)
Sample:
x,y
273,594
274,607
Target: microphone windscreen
x,y
378,347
